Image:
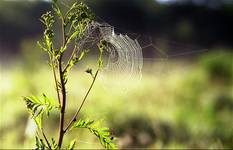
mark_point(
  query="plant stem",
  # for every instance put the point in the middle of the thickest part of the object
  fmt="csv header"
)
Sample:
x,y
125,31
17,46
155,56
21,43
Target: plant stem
x,y
63,105
84,99
63,92
71,56
55,78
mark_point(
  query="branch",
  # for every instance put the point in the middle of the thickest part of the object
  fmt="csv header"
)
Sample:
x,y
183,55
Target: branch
x,y
71,57
76,114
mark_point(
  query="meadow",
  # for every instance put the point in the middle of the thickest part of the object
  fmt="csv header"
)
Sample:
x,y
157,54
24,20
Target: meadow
x,y
189,104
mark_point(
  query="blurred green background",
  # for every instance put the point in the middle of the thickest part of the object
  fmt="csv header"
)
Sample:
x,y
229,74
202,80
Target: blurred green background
x,y
184,101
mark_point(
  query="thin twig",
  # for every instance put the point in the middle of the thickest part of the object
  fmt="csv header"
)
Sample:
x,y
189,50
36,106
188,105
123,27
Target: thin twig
x,y
76,114
42,131
71,57
70,28
55,78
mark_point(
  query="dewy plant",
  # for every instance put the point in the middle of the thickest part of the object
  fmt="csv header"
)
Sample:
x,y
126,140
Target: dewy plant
x,y
75,24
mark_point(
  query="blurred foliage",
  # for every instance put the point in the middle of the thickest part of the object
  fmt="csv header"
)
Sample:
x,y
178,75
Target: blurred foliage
x,y
182,21
185,108
16,19
219,65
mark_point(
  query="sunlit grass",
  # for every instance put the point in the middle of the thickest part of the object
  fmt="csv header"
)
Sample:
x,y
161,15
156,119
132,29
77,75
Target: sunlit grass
x,y
180,106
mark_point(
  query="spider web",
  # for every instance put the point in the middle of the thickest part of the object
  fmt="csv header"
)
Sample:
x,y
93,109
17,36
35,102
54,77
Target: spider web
x,y
123,58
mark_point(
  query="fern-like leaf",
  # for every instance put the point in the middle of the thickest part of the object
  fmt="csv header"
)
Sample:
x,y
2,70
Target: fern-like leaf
x,y
37,107
71,145
102,133
40,145
53,144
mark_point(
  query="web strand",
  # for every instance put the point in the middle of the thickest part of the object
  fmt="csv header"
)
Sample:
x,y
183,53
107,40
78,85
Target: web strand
x,y
124,55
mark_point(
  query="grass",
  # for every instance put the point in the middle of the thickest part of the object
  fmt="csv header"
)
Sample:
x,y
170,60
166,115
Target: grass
x,y
188,106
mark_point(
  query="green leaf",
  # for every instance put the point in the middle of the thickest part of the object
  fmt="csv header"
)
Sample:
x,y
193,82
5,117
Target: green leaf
x,y
72,145
73,35
40,46
81,55
40,145
77,19
37,107
56,8
75,59
102,133
38,119
48,20
102,46
53,144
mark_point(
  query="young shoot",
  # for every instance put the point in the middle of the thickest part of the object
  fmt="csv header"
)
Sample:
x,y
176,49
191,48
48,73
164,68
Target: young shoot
x,y
74,24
